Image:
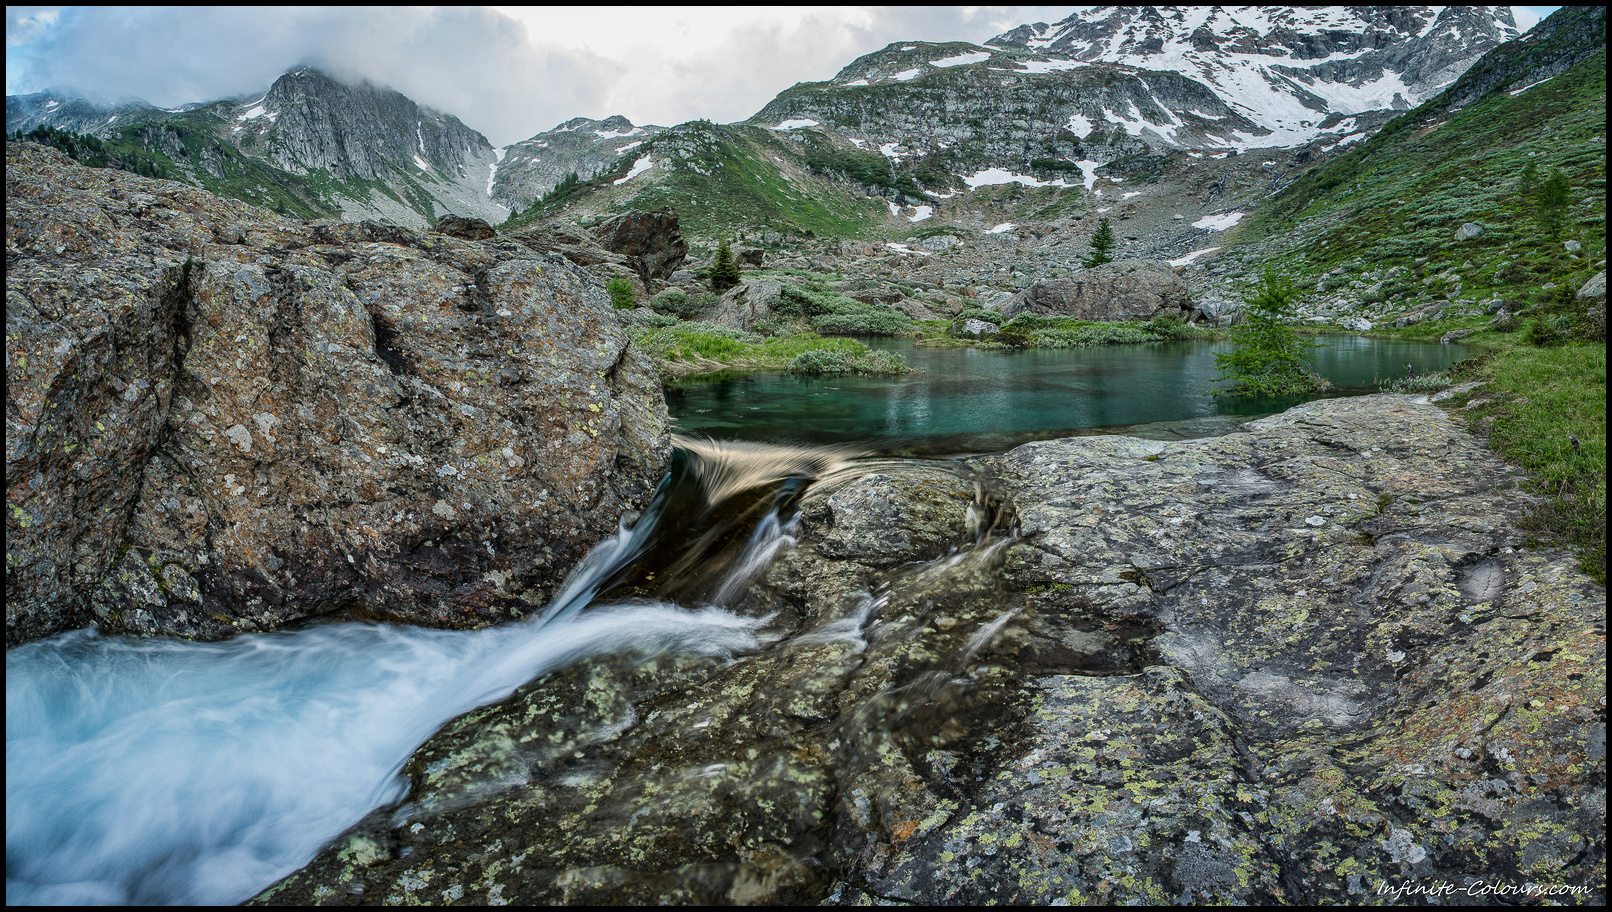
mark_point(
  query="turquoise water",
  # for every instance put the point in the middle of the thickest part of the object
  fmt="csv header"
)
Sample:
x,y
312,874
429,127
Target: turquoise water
x,y
967,400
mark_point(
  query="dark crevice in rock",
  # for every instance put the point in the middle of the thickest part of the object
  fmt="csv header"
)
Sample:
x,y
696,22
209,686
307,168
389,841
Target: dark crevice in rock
x,y
395,359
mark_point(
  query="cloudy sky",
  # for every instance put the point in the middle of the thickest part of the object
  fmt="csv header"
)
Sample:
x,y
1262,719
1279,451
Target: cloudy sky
x,y
509,72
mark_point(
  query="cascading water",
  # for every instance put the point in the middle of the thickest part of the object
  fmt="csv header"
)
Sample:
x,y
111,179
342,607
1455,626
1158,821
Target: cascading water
x,y
162,771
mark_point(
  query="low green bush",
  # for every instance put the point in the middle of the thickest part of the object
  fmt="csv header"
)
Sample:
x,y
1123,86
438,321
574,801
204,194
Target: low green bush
x,y
675,302
621,293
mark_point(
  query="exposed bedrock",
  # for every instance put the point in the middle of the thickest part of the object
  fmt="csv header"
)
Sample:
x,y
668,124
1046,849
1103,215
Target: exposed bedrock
x,y
1292,664
220,420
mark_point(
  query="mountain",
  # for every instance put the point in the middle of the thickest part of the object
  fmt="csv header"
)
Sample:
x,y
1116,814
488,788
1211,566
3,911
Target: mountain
x,y
1152,96
1285,68
312,145
530,168
1038,123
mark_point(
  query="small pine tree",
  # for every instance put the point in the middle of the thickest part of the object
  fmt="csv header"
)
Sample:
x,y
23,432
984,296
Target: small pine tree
x,y
1101,243
724,271
1553,197
1269,357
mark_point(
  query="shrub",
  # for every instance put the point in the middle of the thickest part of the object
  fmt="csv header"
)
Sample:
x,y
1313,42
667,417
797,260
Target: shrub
x,y
820,361
621,293
989,316
1422,383
1543,332
874,321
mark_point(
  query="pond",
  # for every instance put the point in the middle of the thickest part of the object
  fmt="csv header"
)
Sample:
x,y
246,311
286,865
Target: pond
x,y
970,400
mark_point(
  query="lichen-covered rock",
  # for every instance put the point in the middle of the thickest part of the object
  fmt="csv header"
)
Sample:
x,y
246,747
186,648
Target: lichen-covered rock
x,y
468,229
1305,663
1121,290
221,420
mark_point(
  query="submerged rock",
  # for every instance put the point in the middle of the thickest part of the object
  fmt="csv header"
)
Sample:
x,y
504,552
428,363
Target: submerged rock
x,y
1302,663
221,420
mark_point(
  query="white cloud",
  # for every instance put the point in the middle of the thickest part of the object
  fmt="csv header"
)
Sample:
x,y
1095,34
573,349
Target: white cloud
x,y
509,72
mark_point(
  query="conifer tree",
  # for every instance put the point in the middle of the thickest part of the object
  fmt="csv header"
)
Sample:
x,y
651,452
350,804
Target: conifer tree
x,y
724,271
1269,357
1101,243
1552,198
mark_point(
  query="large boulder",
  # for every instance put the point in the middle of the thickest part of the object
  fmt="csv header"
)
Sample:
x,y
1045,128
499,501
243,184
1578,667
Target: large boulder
x,y
651,239
469,229
743,306
221,420
1121,290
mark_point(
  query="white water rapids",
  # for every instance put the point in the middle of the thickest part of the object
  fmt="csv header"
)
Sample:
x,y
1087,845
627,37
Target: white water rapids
x,y
161,771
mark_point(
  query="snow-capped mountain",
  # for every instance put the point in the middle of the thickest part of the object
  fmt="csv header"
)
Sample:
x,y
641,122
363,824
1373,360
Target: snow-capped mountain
x,y
528,169
1284,68
1122,93
1211,79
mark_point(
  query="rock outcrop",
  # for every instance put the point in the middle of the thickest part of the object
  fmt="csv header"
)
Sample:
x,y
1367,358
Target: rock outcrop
x,y
1121,290
221,420
1307,663
467,229
645,246
651,240
743,306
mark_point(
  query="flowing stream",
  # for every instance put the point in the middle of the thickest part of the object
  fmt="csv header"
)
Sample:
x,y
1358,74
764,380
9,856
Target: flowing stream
x,y
157,771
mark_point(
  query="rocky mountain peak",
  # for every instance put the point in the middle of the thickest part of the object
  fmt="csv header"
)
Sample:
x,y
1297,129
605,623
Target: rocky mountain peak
x,y
1285,68
583,146
357,129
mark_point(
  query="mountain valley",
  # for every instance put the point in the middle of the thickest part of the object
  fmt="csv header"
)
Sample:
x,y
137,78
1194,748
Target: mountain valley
x,y
348,433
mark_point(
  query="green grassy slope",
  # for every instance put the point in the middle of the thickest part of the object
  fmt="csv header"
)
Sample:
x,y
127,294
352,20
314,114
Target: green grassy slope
x,y
723,177
1398,199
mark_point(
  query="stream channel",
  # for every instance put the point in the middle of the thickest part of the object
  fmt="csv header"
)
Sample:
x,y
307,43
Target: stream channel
x,y
161,771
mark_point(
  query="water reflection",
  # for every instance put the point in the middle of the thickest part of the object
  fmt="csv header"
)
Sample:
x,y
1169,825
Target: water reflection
x,y
972,400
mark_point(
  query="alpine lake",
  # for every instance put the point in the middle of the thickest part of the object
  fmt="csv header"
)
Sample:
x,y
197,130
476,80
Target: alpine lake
x,y
961,401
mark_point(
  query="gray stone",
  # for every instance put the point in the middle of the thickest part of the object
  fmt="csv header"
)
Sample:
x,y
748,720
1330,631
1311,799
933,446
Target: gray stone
x,y
470,229
651,239
1121,290
331,416
742,306
1469,231
1356,324
1207,654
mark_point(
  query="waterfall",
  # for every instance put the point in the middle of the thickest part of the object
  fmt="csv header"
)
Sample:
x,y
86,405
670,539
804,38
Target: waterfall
x,y
161,771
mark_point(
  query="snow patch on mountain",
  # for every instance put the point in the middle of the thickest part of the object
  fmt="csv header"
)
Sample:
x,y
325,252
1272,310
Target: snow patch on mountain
x,y
961,59
1218,222
638,167
993,176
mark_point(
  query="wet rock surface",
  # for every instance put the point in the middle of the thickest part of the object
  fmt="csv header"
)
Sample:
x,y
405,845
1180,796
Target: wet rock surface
x,y
220,420
1291,664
